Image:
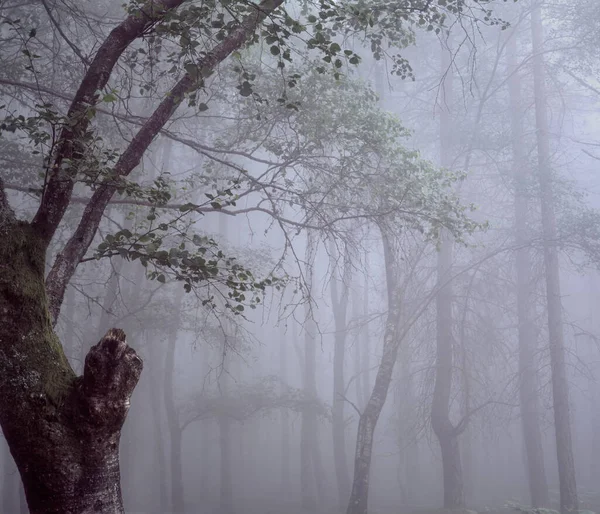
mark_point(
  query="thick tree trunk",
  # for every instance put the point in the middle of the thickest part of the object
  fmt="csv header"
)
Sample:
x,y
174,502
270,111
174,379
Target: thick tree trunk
x,y
560,385
367,422
443,428
63,431
532,434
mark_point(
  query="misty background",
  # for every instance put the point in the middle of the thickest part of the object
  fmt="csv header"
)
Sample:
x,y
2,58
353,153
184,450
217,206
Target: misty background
x,y
252,404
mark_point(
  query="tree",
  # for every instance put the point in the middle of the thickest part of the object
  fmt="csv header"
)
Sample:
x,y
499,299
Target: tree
x,y
529,401
560,384
443,427
68,456
338,422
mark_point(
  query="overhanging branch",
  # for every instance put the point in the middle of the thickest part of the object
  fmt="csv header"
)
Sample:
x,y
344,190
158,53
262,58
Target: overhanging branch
x,y
67,261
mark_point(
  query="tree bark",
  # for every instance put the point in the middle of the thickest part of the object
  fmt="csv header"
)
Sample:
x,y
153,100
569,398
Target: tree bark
x,y
560,386
367,422
63,431
528,396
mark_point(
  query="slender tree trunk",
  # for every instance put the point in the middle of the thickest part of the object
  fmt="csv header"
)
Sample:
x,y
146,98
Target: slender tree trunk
x,y
361,400
365,341
155,386
367,422
285,423
560,384
173,422
226,488
309,422
340,307
532,434
443,428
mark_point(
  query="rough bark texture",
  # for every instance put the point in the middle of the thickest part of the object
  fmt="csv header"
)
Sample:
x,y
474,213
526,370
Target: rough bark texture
x,y
560,385
63,431
367,422
532,434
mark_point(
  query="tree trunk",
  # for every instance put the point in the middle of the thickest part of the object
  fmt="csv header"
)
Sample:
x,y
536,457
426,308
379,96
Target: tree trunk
x,y
285,423
310,468
175,433
443,428
63,431
226,487
365,341
532,434
155,385
338,422
560,385
367,422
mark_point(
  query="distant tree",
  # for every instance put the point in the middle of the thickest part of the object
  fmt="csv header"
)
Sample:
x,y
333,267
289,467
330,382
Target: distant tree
x,y
63,430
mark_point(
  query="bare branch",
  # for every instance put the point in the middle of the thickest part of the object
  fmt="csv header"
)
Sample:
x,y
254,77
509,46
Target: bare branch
x,y
59,186
67,261
56,24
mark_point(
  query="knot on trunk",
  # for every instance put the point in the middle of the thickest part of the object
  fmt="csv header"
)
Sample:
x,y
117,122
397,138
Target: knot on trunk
x,y
112,370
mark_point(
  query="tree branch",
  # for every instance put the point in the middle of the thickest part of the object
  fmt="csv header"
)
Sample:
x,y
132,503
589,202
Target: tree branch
x,y
56,24
59,186
67,261
462,424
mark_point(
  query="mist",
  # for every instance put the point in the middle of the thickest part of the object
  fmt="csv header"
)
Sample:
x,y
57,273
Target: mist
x,y
299,257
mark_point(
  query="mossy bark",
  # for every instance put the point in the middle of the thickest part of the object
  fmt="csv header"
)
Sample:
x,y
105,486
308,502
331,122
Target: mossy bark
x,y
62,430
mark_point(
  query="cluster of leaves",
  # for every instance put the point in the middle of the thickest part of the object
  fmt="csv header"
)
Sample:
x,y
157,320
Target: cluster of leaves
x,y
342,157
197,260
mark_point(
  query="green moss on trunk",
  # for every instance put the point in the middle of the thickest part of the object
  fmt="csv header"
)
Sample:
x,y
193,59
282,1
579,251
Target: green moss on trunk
x,y
27,337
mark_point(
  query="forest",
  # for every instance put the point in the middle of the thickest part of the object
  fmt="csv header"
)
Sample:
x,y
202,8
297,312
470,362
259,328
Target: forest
x,y
299,256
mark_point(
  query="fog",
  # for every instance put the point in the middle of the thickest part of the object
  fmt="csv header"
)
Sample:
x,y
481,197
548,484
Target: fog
x,y
365,287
